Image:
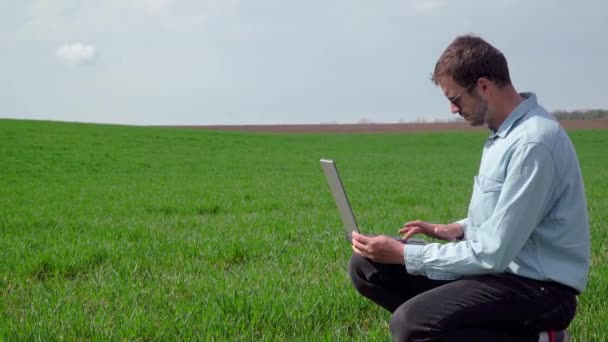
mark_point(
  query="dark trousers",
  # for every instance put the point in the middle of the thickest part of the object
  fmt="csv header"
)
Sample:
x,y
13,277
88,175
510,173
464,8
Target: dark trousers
x,y
492,307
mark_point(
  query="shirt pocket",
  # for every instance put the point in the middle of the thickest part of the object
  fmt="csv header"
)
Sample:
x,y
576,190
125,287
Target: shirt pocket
x,y
486,192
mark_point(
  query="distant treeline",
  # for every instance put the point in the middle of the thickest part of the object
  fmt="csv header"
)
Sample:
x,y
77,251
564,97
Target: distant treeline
x,y
581,114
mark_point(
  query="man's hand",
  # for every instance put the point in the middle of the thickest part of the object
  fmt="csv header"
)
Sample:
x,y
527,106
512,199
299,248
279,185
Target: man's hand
x,y
449,232
381,249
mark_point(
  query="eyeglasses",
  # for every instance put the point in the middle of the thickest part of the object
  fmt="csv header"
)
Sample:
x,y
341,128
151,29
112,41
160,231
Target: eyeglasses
x,y
454,100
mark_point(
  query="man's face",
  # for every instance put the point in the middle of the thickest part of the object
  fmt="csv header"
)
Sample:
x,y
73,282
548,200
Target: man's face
x,y
465,101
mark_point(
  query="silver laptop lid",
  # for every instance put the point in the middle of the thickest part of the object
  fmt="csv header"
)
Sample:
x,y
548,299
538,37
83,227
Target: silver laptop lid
x,y
337,190
348,218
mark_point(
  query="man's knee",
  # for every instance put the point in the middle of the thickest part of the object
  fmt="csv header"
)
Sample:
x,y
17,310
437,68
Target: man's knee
x,y
409,323
400,322
356,267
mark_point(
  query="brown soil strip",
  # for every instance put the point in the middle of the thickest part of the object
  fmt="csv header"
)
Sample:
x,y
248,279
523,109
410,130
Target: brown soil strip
x,y
386,128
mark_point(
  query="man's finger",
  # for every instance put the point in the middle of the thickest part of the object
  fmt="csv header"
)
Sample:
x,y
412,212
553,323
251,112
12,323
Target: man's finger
x,y
361,238
412,223
406,229
360,252
359,246
410,233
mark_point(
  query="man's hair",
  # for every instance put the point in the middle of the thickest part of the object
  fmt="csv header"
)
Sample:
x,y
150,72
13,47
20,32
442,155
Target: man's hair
x,y
468,58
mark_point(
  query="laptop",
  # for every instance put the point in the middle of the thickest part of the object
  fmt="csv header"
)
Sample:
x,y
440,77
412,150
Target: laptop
x,y
348,218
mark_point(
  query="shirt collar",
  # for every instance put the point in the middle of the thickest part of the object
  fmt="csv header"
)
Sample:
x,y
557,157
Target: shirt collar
x,y
522,109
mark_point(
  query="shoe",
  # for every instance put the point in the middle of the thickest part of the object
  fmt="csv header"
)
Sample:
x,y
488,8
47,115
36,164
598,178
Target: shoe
x,y
554,336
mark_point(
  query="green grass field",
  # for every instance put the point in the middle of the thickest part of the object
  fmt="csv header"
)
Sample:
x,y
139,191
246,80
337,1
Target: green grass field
x,y
113,232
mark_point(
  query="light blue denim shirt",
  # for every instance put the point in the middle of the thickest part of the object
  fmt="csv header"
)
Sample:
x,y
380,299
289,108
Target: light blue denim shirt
x,y
528,211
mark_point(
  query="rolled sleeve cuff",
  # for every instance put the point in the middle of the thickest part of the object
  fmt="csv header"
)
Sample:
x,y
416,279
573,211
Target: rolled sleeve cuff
x,y
413,259
463,223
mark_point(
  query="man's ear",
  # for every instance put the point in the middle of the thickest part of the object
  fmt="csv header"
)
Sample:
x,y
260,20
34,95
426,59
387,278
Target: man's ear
x,y
484,85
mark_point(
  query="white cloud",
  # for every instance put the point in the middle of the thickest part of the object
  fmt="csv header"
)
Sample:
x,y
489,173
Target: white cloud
x,y
78,54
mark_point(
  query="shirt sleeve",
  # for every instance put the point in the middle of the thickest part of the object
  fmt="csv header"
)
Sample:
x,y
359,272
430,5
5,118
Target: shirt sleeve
x,y
523,201
463,223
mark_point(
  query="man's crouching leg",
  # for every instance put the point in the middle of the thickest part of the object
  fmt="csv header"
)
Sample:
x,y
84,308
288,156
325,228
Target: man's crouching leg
x,y
385,284
493,307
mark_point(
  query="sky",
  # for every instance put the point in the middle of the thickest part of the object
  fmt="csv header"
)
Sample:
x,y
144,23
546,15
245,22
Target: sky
x,y
231,62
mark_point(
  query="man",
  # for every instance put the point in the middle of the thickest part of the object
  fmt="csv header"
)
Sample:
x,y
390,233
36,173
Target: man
x,y
512,269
